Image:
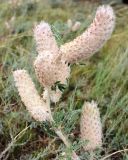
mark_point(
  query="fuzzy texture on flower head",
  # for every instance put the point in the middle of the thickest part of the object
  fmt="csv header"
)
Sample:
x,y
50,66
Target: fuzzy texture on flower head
x,y
85,45
51,65
49,71
48,68
90,126
45,41
29,96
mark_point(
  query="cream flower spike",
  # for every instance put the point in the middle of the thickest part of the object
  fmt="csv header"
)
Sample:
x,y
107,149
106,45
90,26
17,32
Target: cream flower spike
x,y
29,96
48,68
85,45
90,126
49,72
45,40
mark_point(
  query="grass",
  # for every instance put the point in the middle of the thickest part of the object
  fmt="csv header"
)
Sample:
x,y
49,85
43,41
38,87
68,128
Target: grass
x,y
103,78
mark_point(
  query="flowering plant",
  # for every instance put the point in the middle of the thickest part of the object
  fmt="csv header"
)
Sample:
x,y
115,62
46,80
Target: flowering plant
x,y
52,67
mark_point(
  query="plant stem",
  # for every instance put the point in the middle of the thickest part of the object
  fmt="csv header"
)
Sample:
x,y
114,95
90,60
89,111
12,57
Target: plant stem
x,y
66,142
110,155
58,131
91,155
62,137
10,145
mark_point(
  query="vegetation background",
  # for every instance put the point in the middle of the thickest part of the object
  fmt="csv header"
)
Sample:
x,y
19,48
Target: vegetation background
x,y
103,78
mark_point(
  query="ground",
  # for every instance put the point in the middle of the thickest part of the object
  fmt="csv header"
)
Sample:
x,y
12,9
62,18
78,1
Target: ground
x,y
102,78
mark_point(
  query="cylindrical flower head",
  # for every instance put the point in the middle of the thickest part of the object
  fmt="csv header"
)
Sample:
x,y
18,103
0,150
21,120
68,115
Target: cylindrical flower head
x,y
45,40
85,45
90,126
49,71
30,97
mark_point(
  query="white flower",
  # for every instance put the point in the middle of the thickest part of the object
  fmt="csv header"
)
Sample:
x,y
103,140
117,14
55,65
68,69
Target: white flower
x,y
29,96
92,39
44,38
90,126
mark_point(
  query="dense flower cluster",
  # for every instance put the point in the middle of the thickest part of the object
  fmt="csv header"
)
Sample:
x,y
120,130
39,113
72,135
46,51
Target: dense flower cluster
x,y
28,93
90,126
92,39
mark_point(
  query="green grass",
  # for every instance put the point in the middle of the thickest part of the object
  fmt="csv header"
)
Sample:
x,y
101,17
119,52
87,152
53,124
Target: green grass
x,y
103,78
